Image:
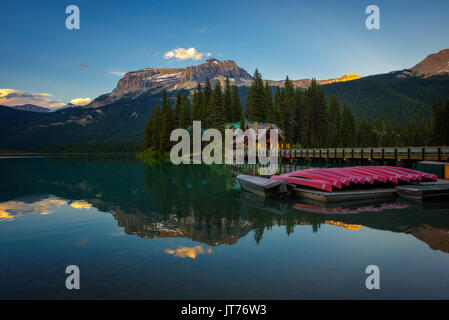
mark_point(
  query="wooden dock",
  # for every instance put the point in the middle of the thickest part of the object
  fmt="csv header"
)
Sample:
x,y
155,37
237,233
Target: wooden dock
x,y
369,154
424,191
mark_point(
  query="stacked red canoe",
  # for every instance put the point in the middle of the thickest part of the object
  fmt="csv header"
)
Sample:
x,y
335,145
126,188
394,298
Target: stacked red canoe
x,y
331,179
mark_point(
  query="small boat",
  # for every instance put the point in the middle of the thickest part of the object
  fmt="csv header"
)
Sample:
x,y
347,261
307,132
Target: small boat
x,y
313,183
392,175
321,173
337,183
370,176
343,177
265,187
393,178
362,179
426,176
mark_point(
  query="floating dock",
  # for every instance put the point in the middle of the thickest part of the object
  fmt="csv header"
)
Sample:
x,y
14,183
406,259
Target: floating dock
x,y
424,191
331,185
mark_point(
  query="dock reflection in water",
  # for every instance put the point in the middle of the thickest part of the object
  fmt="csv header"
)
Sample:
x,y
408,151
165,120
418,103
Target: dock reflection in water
x,y
196,213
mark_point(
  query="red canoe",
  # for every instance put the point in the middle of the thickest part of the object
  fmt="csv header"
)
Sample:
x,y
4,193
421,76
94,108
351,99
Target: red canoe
x,y
363,177
425,175
321,173
393,176
390,176
342,175
376,177
307,175
316,184
403,176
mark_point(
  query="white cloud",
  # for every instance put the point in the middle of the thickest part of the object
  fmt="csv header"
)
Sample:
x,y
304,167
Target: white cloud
x,y
80,101
13,97
117,73
182,54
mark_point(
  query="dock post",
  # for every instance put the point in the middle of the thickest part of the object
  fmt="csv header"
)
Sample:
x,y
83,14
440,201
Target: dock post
x,y
408,154
439,154
423,154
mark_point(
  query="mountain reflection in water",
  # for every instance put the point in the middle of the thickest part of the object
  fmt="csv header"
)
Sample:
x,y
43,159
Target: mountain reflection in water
x,y
201,203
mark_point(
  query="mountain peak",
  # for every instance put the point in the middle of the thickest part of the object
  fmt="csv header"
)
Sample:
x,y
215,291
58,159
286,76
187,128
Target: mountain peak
x,y
433,65
137,82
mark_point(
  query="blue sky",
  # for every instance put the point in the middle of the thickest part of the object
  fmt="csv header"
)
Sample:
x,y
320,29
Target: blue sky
x,y
302,39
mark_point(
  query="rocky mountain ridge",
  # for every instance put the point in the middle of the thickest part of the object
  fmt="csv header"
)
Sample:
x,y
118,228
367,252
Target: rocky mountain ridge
x,y
135,83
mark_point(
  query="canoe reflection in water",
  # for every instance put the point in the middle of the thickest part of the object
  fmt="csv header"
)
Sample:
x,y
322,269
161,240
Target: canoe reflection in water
x,y
323,210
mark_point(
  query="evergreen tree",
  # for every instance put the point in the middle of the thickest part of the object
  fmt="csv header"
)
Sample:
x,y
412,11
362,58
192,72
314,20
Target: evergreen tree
x,y
439,128
185,115
333,123
347,127
177,109
197,112
288,110
269,107
313,101
446,122
249,105
278,118
216,116
227,102
148,133
155,138
255,102
322,119
206,104
167,124
237,112
299,117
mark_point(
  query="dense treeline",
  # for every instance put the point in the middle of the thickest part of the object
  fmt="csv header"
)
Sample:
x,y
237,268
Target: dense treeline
x,y
391,96
307,117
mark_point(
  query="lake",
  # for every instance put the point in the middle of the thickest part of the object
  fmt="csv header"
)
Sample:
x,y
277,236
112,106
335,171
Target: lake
x,y
189,232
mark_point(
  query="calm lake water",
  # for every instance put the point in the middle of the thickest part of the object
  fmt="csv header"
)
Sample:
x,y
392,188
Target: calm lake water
x,y
187,232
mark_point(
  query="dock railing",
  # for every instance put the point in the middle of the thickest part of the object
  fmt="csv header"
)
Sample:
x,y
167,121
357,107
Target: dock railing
x,y
389,153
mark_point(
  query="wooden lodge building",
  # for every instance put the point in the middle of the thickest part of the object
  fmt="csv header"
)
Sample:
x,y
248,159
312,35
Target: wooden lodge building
x,y
256,126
